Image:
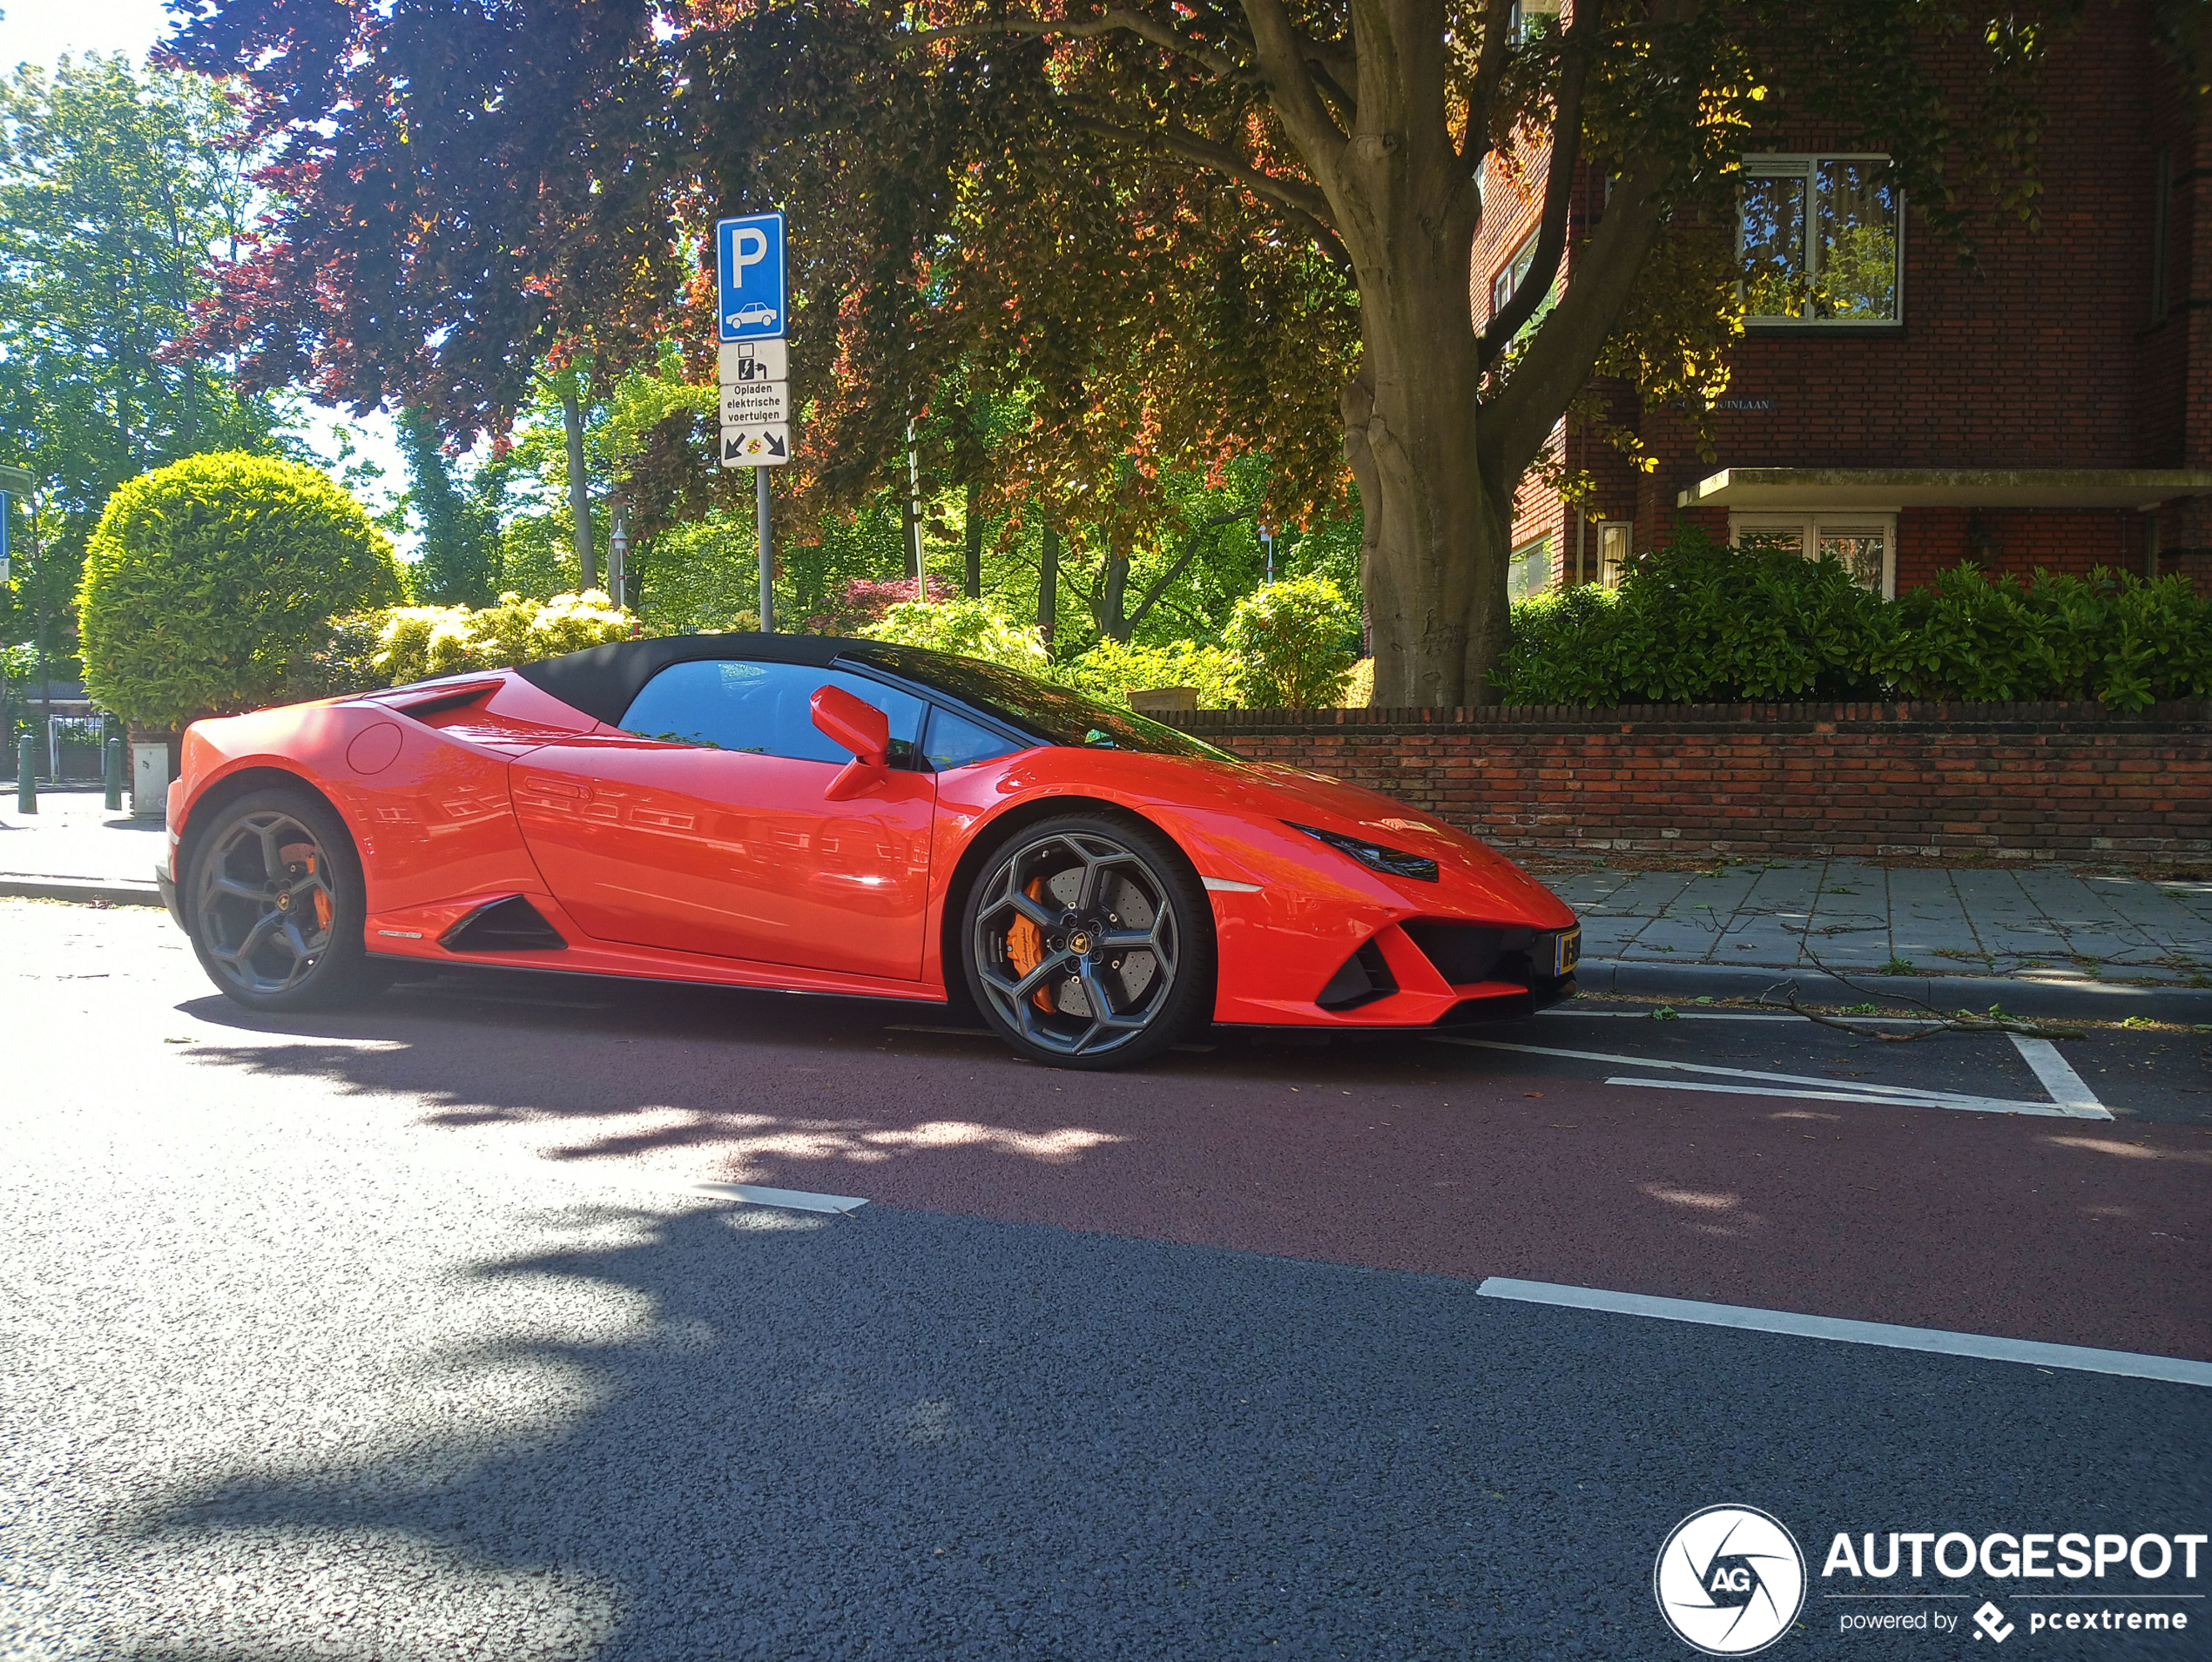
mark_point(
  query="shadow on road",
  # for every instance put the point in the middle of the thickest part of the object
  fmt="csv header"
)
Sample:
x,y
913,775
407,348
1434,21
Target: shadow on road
x,y
900,1435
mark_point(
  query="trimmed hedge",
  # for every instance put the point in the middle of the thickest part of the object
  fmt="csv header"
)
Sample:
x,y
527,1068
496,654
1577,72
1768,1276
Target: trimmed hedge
x,y
210,582
1703,623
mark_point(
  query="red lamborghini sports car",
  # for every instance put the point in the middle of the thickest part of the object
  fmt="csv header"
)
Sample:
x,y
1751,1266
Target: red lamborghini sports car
x,y
830,816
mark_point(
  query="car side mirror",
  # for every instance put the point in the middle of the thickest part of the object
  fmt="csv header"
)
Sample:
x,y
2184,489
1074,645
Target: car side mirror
x,y
856,725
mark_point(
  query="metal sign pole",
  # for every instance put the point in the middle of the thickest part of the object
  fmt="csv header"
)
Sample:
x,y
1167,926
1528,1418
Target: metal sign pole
x,y
767,551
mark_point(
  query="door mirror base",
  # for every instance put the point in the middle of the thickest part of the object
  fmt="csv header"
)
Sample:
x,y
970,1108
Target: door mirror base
x,y
856,725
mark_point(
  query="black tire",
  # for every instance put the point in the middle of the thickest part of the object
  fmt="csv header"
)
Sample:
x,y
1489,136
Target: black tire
x,y
1083,909
275,903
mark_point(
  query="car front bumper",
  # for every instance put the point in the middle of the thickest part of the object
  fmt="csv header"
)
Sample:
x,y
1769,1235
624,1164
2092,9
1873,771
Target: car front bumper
x,y
167,884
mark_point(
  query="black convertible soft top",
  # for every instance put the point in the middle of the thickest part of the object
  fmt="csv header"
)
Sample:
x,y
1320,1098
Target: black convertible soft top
x,y
601,681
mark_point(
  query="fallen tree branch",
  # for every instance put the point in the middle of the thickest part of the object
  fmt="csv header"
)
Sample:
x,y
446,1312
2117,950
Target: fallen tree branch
x,y
1934,1022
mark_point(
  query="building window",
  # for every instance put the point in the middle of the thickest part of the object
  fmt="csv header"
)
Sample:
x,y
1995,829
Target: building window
x,y
1818,239
1503,285
1529,571
1613,540
1864,544
1525,14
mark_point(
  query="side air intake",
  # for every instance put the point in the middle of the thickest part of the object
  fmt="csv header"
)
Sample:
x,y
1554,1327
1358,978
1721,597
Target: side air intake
x,y
1363,978
509,925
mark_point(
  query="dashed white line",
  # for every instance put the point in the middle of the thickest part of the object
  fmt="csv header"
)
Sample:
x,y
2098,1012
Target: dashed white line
x,y
795,1200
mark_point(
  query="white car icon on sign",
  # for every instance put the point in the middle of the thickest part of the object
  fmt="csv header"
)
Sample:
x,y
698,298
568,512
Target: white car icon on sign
x,y
752,312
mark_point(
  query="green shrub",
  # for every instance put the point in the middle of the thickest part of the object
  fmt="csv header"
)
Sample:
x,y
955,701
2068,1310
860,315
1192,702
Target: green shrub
x,y
420,642
1697,623
1701,622
972,628
1112,670
209,584
2108,636
1298,640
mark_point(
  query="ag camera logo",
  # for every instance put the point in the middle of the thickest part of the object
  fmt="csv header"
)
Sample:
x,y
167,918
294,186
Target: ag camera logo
x,y
1729,1580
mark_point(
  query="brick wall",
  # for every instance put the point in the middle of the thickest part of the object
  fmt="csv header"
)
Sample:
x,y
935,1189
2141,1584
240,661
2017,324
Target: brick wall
x,y
1994,782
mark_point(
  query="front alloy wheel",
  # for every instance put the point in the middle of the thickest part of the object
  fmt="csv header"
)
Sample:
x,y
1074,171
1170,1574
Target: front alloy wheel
x,y
1088,944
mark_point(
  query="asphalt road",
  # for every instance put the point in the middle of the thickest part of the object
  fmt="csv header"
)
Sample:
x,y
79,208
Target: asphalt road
x,y
407,1333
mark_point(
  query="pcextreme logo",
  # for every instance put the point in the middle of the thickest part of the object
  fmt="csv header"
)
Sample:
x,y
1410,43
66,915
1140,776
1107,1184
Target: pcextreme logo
x,y
1729,1580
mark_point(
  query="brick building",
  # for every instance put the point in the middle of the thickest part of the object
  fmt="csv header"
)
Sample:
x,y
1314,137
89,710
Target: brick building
x,y
2053,407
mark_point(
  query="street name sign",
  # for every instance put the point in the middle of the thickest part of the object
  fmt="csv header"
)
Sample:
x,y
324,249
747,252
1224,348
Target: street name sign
x,y
749,264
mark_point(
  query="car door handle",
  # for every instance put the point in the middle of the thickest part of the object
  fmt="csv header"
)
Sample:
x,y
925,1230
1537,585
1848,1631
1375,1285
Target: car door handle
x,y
547,786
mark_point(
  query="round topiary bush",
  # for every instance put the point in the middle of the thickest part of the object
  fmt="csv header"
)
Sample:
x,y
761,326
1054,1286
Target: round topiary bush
x,y
208,583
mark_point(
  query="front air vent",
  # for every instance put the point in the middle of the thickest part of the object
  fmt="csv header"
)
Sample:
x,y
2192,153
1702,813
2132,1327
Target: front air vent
x,y
509,925
1362,978
1467,953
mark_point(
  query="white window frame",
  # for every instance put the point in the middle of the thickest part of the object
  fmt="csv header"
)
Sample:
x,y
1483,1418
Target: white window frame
x,y
1524,553
1807,166
1507,282
1810,524
1626,530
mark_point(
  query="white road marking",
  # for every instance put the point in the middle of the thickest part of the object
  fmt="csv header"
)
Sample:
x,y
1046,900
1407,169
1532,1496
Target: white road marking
x,y
1904,1093
796,1200
1846,1093
958,1032
2066,1087
2080,1358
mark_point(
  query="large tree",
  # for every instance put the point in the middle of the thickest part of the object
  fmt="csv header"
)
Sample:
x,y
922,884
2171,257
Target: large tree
x,y
116,191
1188,228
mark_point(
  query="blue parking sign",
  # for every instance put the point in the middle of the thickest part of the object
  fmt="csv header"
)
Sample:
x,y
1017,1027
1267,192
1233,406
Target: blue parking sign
x,y
749,260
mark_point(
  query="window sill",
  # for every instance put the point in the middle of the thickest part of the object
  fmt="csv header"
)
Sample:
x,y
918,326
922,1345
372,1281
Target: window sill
x,y
1886,329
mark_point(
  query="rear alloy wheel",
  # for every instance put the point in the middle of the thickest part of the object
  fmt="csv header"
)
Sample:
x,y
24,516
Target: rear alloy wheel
x,y
275,903
1089,944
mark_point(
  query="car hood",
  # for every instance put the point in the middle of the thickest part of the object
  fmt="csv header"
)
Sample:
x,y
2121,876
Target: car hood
x,y
1310,798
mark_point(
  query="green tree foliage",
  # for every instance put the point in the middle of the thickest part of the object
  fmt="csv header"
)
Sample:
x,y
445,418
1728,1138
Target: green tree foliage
x,y
210,581
1186,230
1701,622
116,190
1298,641
459,563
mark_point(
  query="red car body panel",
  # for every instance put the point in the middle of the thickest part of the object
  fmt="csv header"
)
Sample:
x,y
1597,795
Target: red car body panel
x,y
673,861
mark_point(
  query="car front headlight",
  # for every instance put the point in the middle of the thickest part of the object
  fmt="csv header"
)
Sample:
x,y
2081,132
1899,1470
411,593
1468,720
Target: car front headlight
x,y
1376,857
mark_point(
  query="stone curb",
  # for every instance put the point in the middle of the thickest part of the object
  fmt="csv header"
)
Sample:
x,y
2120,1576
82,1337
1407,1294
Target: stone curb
x,y
2093,1000
115,894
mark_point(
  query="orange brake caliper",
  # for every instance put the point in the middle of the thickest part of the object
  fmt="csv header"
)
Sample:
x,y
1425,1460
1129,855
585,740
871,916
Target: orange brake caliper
x,y
1025,946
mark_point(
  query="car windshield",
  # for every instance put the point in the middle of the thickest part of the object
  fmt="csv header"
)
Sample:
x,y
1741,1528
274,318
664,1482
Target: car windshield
x,y
1059,714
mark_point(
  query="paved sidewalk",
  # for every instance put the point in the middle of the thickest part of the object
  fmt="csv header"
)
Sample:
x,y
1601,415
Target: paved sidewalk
x,y
2041,923
73,836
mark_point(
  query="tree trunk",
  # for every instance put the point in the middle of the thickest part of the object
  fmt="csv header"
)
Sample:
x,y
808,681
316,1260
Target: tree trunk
x,y
1113,608
972,585
587,564
1049,586
1433,548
